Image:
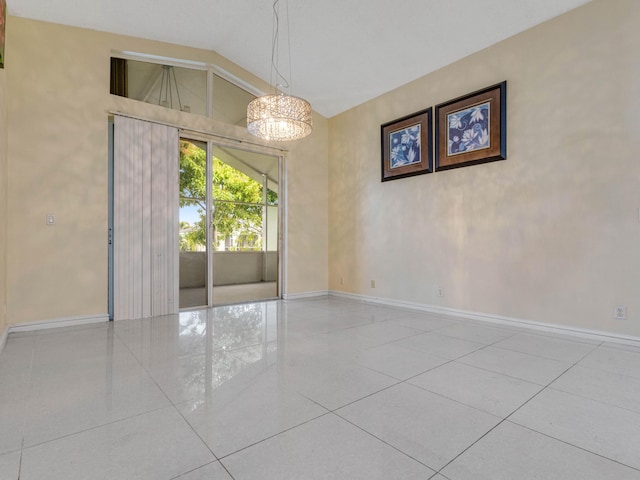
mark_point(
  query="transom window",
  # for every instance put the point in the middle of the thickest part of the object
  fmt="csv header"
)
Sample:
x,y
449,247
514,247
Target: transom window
x,y
183,86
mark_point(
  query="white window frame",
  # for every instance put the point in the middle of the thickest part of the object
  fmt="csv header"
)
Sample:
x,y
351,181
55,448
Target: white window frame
x,y
211,70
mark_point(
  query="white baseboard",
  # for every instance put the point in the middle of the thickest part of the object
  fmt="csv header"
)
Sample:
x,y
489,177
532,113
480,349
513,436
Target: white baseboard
x,y
3,338
58,322
598,335
298,296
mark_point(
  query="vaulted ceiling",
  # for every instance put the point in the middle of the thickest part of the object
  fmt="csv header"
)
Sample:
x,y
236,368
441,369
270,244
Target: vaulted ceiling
x,y
344,52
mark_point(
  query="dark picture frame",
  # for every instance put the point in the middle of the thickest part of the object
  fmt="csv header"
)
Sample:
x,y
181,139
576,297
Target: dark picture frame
x,y
3,21
472,129
407,146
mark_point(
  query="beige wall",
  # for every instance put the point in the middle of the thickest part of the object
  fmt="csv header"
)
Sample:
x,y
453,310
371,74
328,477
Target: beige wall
x,y
552,234
3,203
308,212
57,112
549,235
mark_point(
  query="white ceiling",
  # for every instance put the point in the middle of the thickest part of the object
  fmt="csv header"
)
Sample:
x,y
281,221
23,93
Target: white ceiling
x,y
344,52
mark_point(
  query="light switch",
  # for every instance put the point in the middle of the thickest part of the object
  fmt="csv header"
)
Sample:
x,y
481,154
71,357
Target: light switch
x,y
51,219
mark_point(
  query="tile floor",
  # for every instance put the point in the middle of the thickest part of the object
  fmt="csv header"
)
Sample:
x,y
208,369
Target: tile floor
x,y
316,389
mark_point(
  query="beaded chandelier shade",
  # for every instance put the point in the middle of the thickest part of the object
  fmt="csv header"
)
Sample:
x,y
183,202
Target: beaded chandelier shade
x,y
278,116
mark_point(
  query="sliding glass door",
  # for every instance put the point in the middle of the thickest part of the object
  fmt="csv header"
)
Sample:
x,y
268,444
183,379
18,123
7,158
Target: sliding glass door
x,y
193,224
244,255
229,225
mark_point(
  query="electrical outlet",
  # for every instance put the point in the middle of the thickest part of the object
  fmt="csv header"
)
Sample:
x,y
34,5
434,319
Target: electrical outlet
x,y
620,312
373,284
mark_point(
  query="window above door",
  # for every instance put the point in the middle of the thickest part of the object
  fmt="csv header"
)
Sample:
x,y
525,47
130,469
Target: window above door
x,y
191,87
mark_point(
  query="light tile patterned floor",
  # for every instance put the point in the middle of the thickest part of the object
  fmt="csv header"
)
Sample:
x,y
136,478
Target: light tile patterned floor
x,y
323,388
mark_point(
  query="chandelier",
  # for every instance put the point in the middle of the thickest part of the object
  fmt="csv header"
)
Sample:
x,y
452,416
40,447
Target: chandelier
x,y
277,115
169,84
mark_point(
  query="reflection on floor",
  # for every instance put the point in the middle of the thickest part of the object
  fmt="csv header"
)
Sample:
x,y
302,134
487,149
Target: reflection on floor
x,y
316,389
247,292
227,294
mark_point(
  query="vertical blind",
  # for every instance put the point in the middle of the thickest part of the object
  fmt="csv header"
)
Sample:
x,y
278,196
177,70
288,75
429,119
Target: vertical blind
x,y
145,228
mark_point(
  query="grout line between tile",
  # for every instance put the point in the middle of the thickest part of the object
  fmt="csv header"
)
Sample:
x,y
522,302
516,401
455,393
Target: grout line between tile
x,y
503,420
409,378
607,404
575,446
406,380
94,427
28,399
473,406
566,337
386,443
441,474
419,333
547,358
173,405
194,469
332,410
226,470
273,436
606,347
195,433
505,374
510,333
20,461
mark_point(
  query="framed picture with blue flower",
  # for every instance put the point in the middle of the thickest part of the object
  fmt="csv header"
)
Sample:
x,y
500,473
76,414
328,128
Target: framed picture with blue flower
x,y
407,146
472,129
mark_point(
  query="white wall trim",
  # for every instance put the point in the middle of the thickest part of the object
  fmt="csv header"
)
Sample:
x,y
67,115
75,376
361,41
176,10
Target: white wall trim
x,y
58,322
599,335
3,338
299,296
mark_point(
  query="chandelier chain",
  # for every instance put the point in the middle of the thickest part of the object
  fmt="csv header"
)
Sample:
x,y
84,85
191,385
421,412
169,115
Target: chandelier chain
x,y
279,116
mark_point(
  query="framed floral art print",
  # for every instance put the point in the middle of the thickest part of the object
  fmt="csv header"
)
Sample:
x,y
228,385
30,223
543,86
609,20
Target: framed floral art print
x,y
472,129
407,146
